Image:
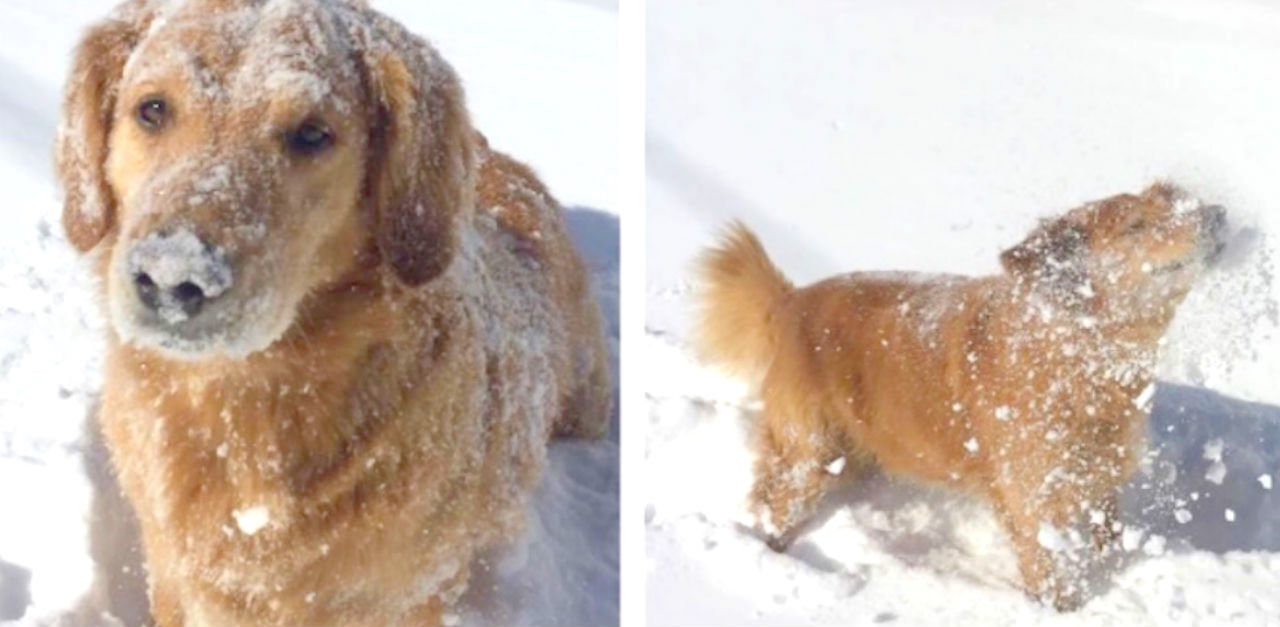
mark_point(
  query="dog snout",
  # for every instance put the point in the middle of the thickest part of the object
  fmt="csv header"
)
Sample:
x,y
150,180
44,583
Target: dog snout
x,y
1213,231
1215,220
176,274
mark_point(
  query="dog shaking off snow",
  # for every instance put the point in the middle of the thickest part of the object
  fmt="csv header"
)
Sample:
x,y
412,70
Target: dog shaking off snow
x,y
1030,388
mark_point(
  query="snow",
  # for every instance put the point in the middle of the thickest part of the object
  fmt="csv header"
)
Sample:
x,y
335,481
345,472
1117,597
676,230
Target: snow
x,y
1216,473
251,520
541,84
836,466
1053,539
928,137
1143,400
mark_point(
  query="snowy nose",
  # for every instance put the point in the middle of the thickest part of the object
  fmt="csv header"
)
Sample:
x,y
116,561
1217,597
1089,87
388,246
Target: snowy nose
x,y
176,274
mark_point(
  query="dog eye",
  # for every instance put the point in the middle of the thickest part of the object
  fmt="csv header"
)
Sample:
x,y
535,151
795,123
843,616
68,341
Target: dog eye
x,y
152,113
308,138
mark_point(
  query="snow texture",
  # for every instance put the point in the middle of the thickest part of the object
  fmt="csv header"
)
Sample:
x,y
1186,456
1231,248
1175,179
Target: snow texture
x,y
68,549
928,137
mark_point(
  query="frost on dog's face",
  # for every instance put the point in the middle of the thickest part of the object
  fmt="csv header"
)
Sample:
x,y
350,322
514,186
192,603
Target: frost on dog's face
x,y
235,157
1128,254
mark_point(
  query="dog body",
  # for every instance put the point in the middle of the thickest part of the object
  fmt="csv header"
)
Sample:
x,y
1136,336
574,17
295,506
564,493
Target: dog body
x,y
1030,388
343,328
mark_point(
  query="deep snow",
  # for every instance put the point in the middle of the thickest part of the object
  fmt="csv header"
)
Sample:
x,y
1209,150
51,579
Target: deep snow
x,y
929,136
541,85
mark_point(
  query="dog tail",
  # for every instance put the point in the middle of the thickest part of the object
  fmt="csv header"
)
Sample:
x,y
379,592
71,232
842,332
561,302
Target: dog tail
x,y
739,289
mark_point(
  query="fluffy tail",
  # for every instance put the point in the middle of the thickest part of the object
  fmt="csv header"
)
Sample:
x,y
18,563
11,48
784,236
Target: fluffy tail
x,y
738,291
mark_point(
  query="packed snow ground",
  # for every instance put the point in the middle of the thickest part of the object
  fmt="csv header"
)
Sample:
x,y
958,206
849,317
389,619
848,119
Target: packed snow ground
x,y
928,136
541,80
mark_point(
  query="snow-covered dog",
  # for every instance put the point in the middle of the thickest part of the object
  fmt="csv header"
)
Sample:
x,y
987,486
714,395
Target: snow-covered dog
x,y
1030,388
342,328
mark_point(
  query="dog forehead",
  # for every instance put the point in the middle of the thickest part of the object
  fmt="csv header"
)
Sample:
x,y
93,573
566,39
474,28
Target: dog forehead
x,y
250,52
1108,213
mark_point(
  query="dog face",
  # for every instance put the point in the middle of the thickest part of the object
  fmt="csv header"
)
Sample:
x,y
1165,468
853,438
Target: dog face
x,y
1125,252
253,153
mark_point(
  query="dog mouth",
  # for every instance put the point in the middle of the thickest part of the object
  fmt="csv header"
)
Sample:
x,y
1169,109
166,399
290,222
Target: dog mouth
x,y
227,326
1171,268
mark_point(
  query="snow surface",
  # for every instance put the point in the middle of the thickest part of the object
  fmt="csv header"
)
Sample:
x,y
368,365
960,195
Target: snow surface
x,y
541,84
929,136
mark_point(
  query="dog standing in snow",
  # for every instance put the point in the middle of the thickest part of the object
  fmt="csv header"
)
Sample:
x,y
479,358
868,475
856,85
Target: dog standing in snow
x,y
342,329
1030,388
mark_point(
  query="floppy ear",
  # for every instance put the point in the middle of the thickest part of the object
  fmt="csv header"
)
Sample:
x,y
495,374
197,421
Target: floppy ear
x,y
1051,258
423,153
89,101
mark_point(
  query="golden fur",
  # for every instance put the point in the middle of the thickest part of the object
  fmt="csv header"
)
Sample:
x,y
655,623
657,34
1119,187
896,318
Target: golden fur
x,y
366,402
1029,388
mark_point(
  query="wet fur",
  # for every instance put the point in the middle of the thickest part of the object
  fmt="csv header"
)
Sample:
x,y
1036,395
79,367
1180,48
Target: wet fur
x,y
1040,368
434,327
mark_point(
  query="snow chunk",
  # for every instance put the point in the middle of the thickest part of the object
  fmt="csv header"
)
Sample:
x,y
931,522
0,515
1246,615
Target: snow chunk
x,y
1051,538
1003,413
1131,538
1154,546
1229,514
1143,400
971,445
1265,480
222,450
1213,449
1182,515
1217,471
251,520
835,466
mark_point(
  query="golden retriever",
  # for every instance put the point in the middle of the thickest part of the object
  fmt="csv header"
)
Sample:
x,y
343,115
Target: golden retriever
x,y
1030,388
342,329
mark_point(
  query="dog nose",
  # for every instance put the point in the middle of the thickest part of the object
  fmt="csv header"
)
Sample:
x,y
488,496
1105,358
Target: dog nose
x,y
186,295
1215,219
176,274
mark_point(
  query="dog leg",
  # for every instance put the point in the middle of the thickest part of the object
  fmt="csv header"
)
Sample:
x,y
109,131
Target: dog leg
x,y
789,483
166,605
1040,567
588,405
429,614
